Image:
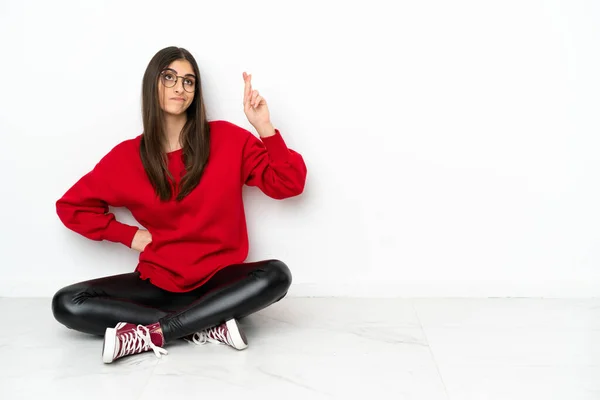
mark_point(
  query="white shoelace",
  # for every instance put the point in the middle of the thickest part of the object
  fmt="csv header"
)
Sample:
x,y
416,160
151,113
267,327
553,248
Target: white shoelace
x,y
136,341
203,337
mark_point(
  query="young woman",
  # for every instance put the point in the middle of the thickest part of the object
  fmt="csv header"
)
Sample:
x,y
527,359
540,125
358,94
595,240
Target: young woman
x,y
182,180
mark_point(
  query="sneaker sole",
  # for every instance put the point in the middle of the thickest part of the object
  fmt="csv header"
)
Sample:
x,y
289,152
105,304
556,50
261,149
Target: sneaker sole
x,y
237,336
108,348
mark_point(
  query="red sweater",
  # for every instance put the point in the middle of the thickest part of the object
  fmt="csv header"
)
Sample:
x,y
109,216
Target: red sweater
x,y
206,231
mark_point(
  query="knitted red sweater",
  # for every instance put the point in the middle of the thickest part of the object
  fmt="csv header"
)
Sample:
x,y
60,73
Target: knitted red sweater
x,y
206,231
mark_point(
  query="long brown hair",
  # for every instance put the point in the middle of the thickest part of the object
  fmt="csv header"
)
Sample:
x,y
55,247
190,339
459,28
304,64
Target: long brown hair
x,y
195,135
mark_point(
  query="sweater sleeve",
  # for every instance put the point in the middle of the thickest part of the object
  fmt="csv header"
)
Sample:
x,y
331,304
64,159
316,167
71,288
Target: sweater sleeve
x,y
270,165
84,207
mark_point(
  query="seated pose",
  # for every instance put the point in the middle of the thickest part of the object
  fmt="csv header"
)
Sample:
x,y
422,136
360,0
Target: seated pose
x,y
182,180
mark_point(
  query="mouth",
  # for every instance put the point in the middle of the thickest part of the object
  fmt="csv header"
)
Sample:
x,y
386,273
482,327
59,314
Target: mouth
x,y
178,98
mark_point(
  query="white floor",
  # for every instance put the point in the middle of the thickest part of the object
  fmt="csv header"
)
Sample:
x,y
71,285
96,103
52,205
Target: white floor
x,y
324,348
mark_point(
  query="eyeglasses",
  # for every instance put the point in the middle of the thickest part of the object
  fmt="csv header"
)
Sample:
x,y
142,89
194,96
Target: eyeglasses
x,y
169,79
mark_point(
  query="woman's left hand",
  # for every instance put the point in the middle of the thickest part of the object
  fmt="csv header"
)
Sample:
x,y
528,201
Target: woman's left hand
x,y
255,106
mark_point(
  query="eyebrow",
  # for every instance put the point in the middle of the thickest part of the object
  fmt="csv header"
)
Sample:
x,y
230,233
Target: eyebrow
x,y
171,69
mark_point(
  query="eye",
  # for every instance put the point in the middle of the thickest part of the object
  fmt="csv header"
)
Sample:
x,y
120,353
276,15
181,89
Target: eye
x,y
169,76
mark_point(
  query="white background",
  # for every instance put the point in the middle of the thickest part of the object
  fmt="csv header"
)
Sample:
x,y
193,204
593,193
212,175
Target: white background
x,y
452,147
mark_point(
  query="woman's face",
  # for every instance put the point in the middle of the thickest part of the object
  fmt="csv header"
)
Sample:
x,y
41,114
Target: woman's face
x,y
177,98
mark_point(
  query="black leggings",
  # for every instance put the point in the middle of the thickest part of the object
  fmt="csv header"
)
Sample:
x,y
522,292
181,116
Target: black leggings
x,y
234,292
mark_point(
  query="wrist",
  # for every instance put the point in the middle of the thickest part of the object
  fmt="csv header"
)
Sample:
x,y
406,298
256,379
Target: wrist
x,y
266,130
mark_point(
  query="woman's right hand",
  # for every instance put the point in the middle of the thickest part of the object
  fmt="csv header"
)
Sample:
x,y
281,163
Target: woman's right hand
x,y
141,239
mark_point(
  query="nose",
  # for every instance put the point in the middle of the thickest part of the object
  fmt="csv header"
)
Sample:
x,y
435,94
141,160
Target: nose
x,y
178,88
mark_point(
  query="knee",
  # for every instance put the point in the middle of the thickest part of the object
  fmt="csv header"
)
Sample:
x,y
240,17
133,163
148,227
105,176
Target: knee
x,y
64,304
279,275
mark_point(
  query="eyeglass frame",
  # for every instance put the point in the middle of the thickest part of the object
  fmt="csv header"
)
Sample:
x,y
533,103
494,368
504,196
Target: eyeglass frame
x,y
177,79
